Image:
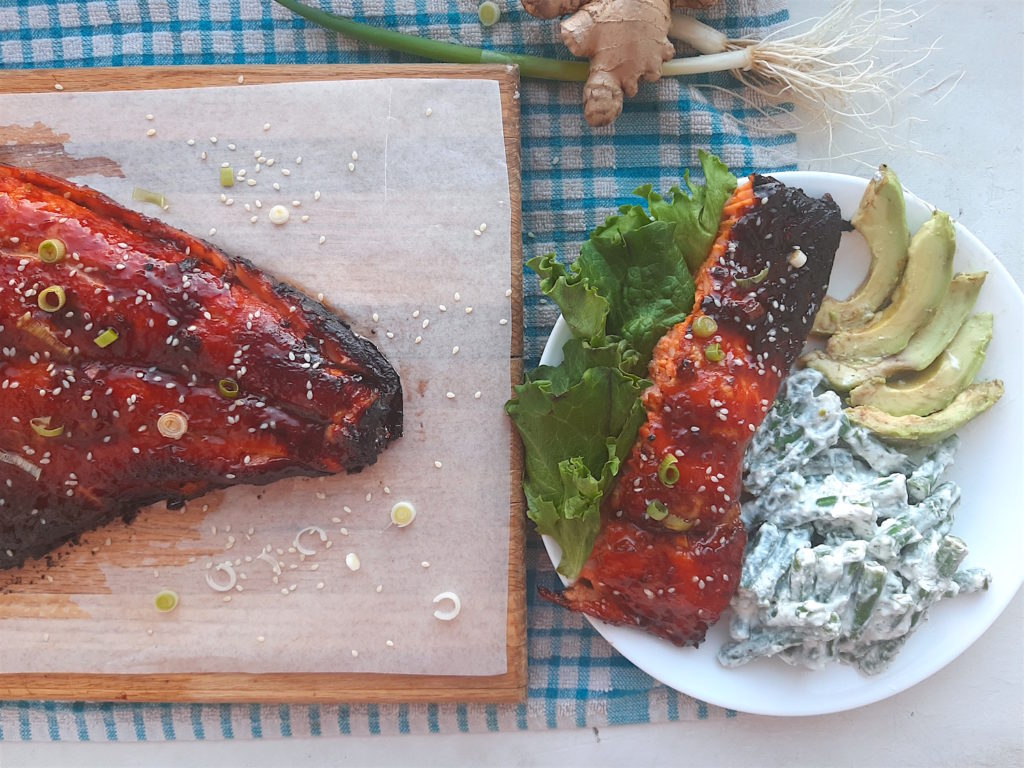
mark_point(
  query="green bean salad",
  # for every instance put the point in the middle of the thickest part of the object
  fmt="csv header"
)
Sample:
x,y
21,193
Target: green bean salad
x,y
849,538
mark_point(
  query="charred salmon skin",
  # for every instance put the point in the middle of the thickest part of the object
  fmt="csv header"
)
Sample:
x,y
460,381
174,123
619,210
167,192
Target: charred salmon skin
x,y
670,549
140,364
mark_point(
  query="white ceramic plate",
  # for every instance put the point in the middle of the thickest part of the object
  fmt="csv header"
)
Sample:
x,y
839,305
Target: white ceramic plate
x,y
989,469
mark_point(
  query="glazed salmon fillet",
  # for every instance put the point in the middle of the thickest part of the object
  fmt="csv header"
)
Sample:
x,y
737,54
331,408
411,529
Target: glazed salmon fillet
x,y
669,553
140,364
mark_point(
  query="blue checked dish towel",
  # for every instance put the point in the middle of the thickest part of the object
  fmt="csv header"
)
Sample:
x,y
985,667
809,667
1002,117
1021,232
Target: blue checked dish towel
x,y
573,177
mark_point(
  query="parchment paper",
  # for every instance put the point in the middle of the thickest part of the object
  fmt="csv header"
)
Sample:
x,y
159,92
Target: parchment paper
x,y
422,221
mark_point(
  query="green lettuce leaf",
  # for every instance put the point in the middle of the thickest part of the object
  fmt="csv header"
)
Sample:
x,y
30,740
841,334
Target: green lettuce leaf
x,y
698,212
592,423
630,285
579,355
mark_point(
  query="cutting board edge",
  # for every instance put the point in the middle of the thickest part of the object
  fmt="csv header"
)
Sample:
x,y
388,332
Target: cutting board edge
x,y
289,688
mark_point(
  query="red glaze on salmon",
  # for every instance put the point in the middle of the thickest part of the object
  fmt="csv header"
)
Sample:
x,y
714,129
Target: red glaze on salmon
x,y
762,284
191,323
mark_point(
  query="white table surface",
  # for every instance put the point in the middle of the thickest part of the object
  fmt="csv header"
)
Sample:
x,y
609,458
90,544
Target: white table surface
x,y
969,714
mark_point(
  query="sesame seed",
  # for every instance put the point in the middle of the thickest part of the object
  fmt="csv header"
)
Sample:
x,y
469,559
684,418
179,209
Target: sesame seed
x,y
351,166
58,87
437,464
151,132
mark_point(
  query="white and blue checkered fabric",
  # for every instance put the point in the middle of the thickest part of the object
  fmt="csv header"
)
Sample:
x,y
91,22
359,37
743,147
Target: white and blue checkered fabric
x,y
573,177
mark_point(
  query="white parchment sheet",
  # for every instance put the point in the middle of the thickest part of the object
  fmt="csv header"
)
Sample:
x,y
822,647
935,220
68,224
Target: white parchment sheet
x,y
405,186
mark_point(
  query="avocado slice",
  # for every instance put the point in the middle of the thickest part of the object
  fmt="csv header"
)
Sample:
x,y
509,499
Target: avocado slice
x,y
924,285
935,387
927,430
881,218
922,349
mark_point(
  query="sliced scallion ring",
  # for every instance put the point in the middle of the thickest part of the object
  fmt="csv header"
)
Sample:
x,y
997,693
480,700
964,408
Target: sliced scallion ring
x,y
750,282
308,529
278,215
269,558
52,299
106,338
172,425
657,510
489,13
218,586
166,600
51,251
41,426
678,524
228,388
668,472
145,196
402,514
714,353
704,326
227,177
451,613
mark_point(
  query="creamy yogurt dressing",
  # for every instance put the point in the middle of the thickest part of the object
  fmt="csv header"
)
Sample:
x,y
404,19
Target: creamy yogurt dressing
x,y
849,538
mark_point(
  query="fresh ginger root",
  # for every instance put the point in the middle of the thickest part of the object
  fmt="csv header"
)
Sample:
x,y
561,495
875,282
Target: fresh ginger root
x,y
625,40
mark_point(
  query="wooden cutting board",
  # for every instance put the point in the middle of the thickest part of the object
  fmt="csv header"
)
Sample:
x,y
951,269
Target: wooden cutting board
x,y
297,687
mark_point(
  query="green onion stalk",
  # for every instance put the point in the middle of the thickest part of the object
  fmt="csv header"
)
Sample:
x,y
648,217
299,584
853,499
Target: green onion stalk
x,y
529,66
437,50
